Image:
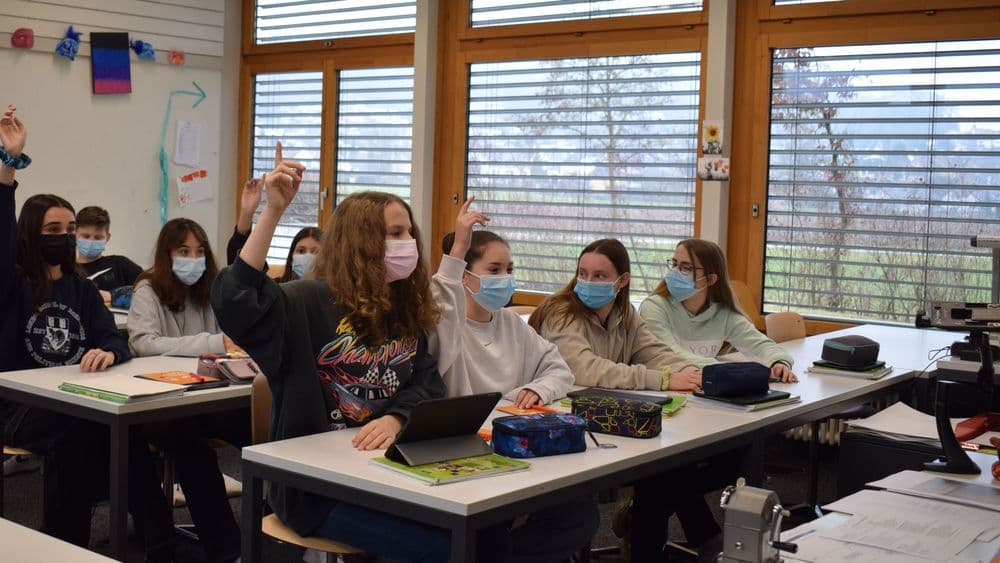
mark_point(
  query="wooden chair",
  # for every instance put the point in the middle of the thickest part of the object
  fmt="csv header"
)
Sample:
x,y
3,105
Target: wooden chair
x,y
748,303
271,525
522,309
785,326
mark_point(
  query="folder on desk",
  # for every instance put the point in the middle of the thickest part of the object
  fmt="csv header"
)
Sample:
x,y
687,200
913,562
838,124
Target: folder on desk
x,y
444,429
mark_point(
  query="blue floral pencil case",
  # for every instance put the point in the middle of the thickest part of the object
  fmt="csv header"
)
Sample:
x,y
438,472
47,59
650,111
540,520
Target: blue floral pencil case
x,y
537,435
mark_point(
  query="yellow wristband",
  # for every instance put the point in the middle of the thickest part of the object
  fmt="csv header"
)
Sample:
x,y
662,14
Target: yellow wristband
x,y
665,382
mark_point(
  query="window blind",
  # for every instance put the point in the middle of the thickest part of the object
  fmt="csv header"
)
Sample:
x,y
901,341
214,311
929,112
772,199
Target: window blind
x,y
486,13
288,108
563,152
282,21
375,131
884,160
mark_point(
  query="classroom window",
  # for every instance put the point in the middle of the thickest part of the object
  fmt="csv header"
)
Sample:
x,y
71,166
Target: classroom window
x,y
375,131
282,21
562,152
790,2
486,13
288,108
884,160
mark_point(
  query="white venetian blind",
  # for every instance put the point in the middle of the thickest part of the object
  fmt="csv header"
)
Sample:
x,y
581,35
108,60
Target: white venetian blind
x,y
565,151
486,13
375,131
884,160
288,108
282,21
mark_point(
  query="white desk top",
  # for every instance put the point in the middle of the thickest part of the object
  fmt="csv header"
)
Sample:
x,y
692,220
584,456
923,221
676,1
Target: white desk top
x,y
121,320
903,348
45,382
24,545
976,551
330,456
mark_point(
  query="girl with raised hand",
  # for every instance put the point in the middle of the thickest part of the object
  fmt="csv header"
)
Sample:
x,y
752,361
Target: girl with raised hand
x,y
694,312
53,317
482,347
600,334
346,349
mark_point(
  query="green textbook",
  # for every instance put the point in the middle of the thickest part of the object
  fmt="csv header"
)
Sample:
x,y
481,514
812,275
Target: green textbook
x,y
455,470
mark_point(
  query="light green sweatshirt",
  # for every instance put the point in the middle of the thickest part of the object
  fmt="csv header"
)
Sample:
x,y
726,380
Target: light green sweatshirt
x,y
700,337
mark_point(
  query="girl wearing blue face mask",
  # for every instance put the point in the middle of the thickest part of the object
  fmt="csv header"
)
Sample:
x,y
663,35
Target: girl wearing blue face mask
x,y
301,254
170,311
480,345
600,334
693,311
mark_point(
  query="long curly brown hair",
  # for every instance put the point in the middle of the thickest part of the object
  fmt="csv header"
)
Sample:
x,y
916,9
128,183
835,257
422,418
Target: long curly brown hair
x,y
352,262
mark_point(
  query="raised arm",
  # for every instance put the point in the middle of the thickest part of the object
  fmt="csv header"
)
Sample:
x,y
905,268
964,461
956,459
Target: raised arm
x,y
249,201
281,184
13,135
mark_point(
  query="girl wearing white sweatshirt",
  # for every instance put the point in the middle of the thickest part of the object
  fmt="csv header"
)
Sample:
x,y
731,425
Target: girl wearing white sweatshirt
x,y
481,346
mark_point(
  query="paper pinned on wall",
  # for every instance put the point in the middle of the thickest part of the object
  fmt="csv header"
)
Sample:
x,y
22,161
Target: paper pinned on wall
x,y
193,186
187,146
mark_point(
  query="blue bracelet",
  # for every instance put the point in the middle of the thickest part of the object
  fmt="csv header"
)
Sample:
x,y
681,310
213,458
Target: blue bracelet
x,y
15,162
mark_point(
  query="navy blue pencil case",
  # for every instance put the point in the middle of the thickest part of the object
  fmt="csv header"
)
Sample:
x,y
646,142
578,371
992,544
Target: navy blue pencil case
x,y
537,435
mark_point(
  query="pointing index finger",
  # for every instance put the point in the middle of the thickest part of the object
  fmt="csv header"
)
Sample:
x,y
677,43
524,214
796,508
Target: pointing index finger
x,y
277,154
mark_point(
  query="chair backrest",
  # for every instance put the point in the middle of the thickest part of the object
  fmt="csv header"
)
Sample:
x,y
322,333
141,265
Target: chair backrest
x,y
522,309
260,409
748,302
785,326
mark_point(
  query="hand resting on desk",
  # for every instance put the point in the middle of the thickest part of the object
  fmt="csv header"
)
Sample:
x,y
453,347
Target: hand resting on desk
x,y
378,434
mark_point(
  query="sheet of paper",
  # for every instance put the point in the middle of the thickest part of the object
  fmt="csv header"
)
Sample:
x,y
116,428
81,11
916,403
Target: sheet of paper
x,y
187,146
950,490
816,548
927,537
193,186
902,419
870,502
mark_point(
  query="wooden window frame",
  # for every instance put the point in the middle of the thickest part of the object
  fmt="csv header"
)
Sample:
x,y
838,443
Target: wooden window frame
x,y
328,57
761,27
460,45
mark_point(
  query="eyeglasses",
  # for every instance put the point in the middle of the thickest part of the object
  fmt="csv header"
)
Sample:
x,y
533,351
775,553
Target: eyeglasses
x,y
685,268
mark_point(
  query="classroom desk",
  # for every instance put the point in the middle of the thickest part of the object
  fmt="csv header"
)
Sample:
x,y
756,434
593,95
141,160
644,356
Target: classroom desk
x,y
24,545
40,388
978,550
465,507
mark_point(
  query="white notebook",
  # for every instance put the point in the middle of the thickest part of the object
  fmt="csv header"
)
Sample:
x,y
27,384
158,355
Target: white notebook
x,y
122,388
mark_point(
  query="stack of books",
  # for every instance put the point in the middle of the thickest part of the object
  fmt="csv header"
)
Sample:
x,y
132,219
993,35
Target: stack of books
x,y
453,471
121,388
877,370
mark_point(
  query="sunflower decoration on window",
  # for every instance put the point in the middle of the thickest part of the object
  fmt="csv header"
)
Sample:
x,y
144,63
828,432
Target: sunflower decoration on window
x,y
713,138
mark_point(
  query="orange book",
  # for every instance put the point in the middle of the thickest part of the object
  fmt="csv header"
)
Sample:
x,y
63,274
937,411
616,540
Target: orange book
x,y
516,411
180,377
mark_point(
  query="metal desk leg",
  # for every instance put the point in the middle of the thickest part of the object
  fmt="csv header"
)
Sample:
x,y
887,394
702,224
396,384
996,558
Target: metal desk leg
x,y
119,489
251,514
463,542
753,463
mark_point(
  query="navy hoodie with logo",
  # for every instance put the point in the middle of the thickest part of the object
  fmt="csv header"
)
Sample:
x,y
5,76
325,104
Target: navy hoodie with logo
x,y
71,321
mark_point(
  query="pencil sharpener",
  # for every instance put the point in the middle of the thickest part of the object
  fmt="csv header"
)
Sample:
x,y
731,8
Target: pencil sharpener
x,y
752,525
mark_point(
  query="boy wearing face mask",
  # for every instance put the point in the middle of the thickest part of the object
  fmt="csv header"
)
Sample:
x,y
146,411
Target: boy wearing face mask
x,y
170,313
93,232
480,345
693,311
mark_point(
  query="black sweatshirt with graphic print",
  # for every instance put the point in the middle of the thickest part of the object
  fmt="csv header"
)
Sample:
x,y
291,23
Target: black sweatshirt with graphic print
x,y
58,332
321,377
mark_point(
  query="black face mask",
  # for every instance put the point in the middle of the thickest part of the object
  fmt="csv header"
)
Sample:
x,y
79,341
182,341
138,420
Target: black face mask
x,y
58,249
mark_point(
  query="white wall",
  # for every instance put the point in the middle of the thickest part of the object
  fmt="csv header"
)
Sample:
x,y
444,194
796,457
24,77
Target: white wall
x,y
102,150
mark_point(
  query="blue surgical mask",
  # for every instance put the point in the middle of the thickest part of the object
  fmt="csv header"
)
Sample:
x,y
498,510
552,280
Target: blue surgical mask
x,y
494,291
189,270
680,286
595,295
302,263
91,248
